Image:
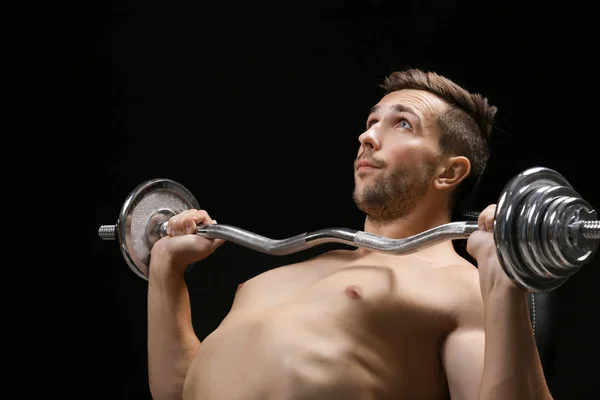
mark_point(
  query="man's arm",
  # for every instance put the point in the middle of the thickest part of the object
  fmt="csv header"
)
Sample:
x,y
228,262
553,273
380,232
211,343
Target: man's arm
x,y
492,353
463,350
512,366
172,342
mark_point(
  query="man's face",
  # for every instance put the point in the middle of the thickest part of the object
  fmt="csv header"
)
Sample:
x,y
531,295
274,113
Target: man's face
x,y
400,145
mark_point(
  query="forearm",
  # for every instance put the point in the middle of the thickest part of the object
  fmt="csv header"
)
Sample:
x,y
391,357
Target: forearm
x,y
172,341
512,367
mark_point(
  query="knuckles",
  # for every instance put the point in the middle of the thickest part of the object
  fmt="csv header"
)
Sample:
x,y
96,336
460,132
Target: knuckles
x,y
185,221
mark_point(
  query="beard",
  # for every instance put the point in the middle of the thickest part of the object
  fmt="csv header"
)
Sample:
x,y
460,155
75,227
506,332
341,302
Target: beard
x,y
392,196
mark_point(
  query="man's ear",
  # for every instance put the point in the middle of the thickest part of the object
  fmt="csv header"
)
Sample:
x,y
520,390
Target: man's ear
x,y
451,172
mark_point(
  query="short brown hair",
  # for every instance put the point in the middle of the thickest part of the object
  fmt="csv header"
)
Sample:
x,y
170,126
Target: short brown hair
x,y
466,124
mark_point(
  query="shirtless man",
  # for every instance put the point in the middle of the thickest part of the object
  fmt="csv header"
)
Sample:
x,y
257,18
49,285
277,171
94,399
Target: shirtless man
x,y
357,324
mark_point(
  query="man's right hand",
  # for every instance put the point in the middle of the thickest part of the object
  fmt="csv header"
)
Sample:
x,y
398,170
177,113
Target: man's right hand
x,y
182,246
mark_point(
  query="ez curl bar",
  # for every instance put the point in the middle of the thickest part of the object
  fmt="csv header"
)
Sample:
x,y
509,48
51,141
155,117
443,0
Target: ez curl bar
x,y
544,231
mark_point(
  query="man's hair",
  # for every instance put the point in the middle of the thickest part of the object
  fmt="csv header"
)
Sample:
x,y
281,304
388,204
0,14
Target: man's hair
x,y
466,124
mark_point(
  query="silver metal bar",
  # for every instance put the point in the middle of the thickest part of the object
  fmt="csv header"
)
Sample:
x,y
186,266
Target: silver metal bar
x,y
294,244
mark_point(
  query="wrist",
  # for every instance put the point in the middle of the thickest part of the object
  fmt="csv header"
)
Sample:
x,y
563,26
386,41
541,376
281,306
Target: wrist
x,y
495,279
504,292
163,267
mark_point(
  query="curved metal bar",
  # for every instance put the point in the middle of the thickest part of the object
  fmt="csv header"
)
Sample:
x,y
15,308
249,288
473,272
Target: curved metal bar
x,y
279,247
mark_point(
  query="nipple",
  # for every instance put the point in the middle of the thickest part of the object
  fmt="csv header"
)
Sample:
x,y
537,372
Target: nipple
x,y
353,292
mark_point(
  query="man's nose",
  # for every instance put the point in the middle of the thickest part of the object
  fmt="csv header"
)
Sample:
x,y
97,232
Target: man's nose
x,y
370,138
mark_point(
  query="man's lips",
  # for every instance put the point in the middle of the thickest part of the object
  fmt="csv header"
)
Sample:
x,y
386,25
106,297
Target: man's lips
x,y
363,164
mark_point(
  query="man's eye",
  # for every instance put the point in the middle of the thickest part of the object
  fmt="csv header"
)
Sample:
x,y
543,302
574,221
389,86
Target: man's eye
x,y
371,123
404,124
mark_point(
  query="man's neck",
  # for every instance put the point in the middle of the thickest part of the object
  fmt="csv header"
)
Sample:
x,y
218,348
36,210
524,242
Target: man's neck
x,y
418,220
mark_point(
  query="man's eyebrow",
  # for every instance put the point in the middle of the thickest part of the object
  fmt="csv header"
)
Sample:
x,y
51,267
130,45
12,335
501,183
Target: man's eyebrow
x,y
403,108
372,110
398,108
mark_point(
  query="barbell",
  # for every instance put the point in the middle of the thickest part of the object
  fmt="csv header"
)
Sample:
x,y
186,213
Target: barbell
x,y
543,230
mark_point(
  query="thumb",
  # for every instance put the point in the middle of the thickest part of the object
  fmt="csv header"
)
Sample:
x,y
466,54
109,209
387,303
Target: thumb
x,y
216,243
474,243
481,245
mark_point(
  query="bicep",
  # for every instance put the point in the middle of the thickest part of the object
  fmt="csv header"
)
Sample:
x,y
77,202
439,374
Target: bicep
x,y
462,358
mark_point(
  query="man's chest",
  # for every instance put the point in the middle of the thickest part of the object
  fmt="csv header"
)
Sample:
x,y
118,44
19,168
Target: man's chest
x,y
408,296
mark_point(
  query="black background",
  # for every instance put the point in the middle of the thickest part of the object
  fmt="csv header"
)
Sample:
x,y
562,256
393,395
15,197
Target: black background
x,y
256,108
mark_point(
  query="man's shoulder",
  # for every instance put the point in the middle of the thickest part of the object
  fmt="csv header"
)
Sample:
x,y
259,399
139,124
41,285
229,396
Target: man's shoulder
x,y
464,293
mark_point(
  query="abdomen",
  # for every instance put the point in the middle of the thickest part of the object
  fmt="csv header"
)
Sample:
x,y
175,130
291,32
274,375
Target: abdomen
x,y
303,352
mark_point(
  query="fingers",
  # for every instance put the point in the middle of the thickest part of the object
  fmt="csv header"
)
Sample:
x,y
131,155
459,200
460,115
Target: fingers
x,y
187,222
486,218
217,243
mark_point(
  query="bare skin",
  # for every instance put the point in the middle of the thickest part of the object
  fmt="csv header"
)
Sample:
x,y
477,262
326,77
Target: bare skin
x,y
356,324
339,326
